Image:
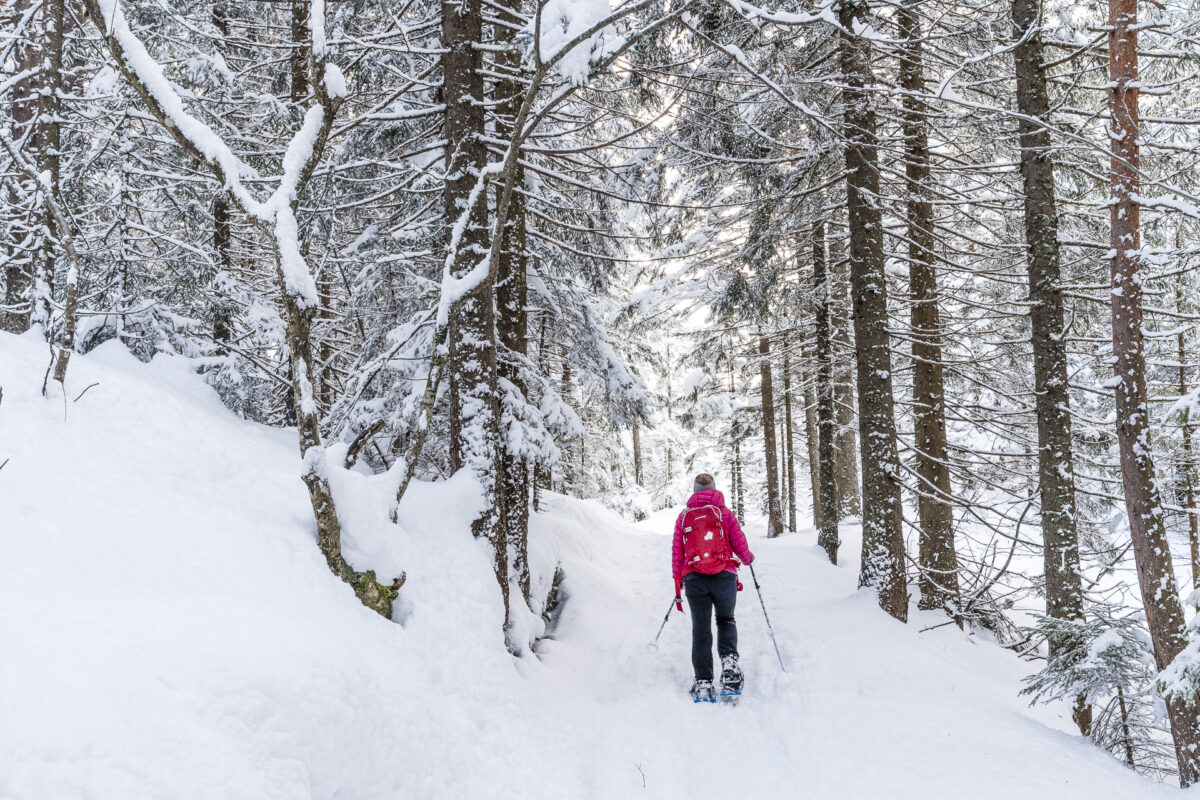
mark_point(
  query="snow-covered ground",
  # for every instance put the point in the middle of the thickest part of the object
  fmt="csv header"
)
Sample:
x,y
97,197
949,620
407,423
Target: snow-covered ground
x,y
169,629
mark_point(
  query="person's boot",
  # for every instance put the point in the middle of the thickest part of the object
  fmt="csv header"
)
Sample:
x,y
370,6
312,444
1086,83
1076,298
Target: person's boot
x,y
731,675
702,692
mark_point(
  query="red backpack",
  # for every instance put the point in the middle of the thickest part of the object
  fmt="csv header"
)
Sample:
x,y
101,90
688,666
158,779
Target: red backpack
x,y
705,547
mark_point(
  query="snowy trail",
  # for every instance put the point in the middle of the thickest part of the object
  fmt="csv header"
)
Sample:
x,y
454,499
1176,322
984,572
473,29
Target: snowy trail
x,y
170,630
868,707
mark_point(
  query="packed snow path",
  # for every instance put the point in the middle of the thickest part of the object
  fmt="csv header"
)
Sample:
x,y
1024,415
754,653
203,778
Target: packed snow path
x,y
170,630
868,708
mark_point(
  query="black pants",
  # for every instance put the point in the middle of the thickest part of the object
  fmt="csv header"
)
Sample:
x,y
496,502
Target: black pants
x,y
704,593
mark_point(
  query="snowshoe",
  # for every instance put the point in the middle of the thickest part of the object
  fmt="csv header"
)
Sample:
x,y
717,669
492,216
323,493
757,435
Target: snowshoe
x,y
702,692
732,678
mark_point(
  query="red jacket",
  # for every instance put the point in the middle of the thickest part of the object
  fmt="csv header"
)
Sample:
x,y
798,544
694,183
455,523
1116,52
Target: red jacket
x,y
737,539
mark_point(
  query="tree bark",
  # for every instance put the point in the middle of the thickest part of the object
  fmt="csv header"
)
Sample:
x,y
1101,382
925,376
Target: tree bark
x,y
542,474
1147,527
223,245
774,510
474,403
789,445
827,534
845,387
883,567
812,441
300,55
49,151
739,505
1187,466
637,455
22,114
512,321
1064,586
937,557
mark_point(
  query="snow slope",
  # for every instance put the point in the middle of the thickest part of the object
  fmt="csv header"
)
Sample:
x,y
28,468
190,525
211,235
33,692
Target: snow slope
x,y
169,629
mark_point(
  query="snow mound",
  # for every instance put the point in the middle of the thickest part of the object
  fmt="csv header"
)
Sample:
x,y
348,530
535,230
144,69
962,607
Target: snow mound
x,y
171,630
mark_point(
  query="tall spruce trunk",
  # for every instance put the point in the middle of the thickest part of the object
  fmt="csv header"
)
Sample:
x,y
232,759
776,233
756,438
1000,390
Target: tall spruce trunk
x,y
300,54
739,505
22,113
883,567
844,384
223,245
811,437
49,148
789,445
937,557
827,534
542,473
512,320
774,510
1052,401
1147,526
637,455
1187,464
474,397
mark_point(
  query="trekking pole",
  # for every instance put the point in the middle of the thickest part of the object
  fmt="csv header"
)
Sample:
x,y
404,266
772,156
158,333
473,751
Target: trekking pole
x,y
653,646
770,630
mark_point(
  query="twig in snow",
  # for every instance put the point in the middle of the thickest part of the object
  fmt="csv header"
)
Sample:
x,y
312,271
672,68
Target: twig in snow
x,y
5,464
81,394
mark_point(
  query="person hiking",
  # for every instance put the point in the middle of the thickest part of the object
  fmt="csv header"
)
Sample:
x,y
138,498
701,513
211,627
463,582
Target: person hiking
x,y
704,557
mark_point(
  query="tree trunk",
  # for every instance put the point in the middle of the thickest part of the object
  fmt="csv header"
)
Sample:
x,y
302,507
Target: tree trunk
x,y
845,387
1064,586
812,440
299,57
1187,466
937,557
566,478
883,566
474,403
637,455
512,297
1152,551
222,244
49,148
774,510
542,474
789,444
739,505
827,535
22,112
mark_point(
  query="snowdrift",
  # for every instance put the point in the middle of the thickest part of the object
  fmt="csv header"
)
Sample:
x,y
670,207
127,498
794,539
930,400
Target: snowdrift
x,y
169,629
